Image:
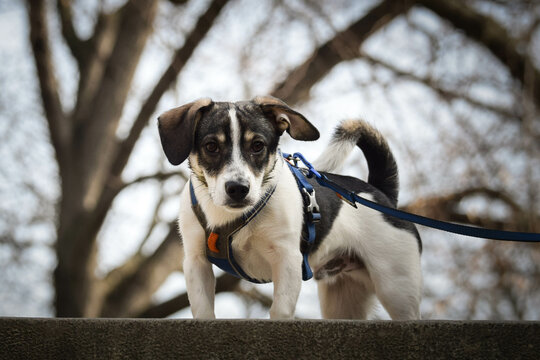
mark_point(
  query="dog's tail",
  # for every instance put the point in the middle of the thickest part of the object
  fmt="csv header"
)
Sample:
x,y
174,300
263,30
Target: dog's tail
x,y
383,172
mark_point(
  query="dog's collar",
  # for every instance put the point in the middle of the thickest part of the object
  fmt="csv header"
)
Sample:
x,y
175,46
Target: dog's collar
x,y
219,240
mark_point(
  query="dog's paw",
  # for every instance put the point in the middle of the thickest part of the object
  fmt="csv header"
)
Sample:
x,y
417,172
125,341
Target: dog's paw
x,y
278,314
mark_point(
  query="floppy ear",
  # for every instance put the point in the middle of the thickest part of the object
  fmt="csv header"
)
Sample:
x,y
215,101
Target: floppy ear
x,y
287,119
176,128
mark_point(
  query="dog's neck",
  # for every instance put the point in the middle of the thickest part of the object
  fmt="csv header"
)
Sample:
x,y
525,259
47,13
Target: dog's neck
x,y
219,215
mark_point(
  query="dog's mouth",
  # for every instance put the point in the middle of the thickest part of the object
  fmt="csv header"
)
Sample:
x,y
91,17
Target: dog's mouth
x,y
238,205
231,205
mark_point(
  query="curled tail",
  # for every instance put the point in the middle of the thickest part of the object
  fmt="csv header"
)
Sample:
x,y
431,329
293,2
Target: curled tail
x,y
383,172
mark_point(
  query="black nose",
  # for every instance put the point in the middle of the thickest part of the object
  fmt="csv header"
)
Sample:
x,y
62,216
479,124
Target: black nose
x,y
236,190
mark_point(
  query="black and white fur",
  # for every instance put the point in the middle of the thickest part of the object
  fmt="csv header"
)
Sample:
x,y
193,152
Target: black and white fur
x,y
233,155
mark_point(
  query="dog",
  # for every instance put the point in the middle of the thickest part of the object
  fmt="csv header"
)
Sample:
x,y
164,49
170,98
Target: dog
x,y
234,158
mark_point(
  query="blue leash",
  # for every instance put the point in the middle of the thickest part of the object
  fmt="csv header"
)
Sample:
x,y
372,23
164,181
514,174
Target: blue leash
x,y
351,198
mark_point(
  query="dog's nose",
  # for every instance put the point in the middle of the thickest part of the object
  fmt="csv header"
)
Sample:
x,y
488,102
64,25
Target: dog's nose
x,y
236,190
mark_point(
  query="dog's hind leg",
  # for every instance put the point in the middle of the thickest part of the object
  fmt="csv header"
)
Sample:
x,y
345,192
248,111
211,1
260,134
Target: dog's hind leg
x,y
401,303
343,297
399,291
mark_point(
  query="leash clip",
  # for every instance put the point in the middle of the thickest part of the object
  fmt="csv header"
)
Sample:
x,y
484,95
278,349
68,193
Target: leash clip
x,y
293,159
312,206
352,203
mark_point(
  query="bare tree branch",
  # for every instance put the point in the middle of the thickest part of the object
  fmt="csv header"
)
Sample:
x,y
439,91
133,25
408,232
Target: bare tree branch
x,y
344,46
74,43
120,273
124,149
253,294
178,2
94,56
180,58
444,93
445,208
224,283
59,127
134,293
99,125
160,176
493,36
166,308
111,190
154,223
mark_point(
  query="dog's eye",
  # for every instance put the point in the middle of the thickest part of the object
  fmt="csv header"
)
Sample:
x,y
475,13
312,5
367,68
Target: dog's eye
x,y
257,146
211,147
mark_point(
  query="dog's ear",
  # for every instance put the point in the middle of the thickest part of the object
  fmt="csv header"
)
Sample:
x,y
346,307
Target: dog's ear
x,y
176,128
287,119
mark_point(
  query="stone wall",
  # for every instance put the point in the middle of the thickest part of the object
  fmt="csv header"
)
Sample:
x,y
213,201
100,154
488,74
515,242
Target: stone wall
x,y
26,338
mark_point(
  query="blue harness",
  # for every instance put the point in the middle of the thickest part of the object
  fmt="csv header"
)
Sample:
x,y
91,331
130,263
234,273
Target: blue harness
x,y
219,250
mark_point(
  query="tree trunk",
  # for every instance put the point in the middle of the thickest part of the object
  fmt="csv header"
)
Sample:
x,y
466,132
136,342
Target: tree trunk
x,y
86,170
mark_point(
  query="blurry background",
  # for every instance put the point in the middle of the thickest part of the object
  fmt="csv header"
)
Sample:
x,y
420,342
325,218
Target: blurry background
x,y
88,201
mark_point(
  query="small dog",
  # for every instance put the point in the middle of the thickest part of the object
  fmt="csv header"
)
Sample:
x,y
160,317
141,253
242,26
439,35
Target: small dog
x,y
234,160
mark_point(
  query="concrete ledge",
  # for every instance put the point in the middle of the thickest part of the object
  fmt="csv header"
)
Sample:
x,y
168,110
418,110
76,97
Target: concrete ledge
x,y
27,338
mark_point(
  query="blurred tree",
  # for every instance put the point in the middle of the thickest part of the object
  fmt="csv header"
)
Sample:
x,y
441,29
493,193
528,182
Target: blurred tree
x,y
91,156
91,179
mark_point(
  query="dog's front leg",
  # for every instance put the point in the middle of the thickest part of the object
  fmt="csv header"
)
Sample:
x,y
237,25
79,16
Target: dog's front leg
x,y
201,285
287,277
200,279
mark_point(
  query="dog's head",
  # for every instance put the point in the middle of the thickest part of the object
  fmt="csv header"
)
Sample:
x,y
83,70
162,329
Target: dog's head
x,y
232,147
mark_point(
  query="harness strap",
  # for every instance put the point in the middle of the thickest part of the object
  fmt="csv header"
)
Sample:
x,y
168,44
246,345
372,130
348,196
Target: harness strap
x,y
311,216
219,240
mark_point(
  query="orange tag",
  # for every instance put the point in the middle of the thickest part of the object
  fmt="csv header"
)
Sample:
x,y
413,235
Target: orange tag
x,y
212,240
